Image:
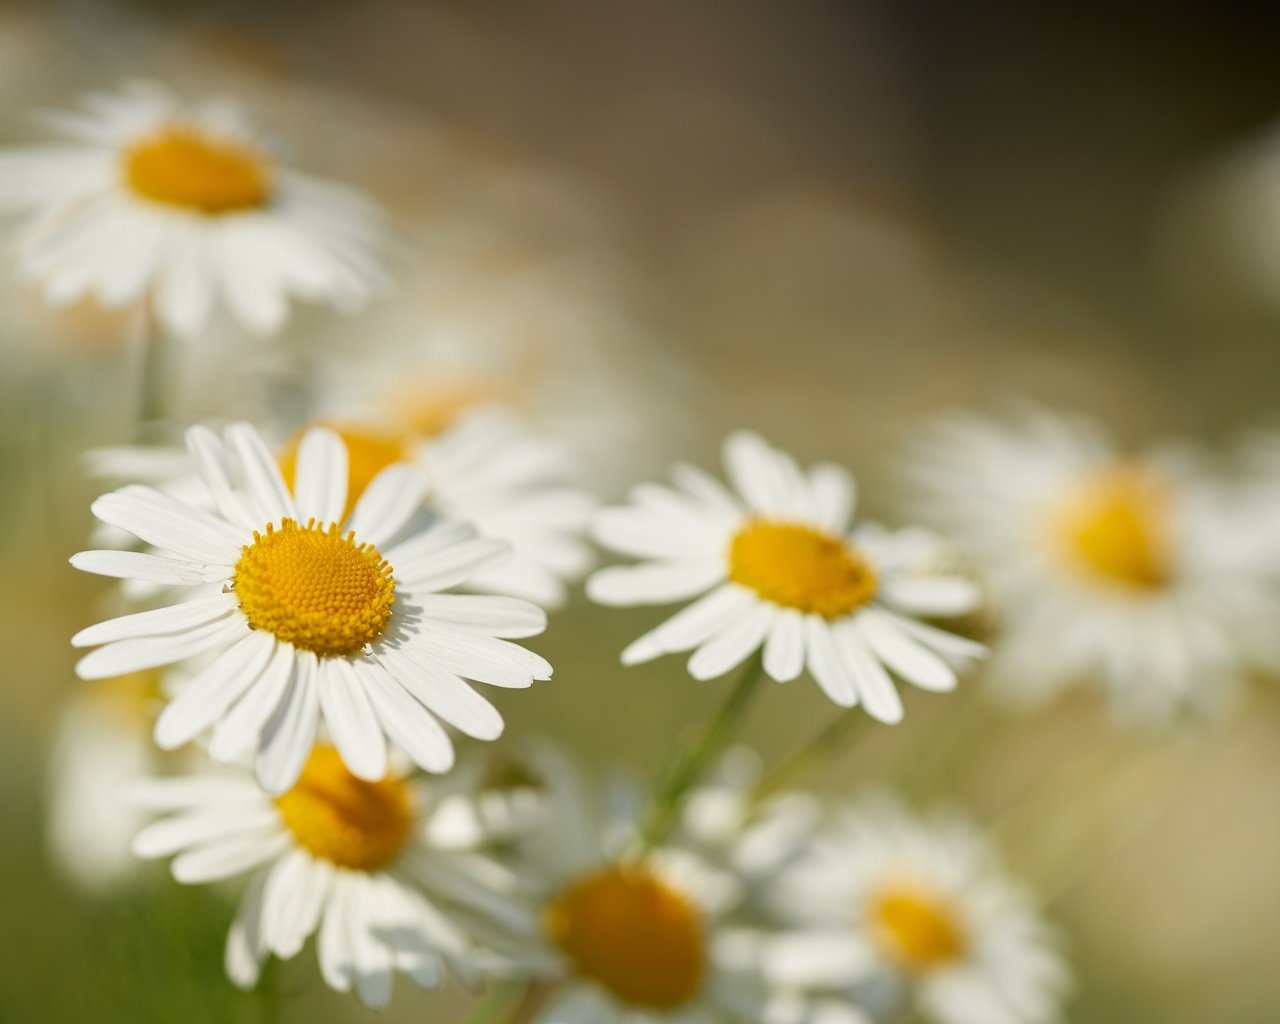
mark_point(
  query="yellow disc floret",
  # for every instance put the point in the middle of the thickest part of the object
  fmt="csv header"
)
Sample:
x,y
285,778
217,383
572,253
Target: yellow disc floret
x,y
633,934
915,927
797,566
1113,526
370,450
347,821
315,587
181,165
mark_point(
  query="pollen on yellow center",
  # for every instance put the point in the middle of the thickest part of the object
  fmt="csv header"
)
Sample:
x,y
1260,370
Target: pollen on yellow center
x,y
315,587
800,567
181,165
914,927
1114,525
370,450
633,934
345,820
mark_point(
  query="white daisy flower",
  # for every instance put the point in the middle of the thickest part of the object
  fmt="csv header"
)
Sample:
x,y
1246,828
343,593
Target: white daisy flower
x,y
1139,572
919,910
313,620
145,195
630,938
365,866
776,565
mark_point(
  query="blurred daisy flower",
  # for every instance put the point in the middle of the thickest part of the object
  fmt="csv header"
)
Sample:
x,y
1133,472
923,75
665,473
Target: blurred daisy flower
x,y
627,937
777,565
1143,573
147,196
906,910
320,614
365,866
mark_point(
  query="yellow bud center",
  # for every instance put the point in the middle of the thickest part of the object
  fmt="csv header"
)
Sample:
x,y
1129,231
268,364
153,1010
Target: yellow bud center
x,y
633,934
181,165
796,566
344,820
1113,526
370,450
914,927
315,587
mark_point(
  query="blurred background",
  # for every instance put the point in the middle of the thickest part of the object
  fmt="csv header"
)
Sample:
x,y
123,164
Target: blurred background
x,y
826,220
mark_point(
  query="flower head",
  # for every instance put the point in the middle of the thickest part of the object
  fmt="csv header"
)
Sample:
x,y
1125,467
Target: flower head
x,y
775,563
314,614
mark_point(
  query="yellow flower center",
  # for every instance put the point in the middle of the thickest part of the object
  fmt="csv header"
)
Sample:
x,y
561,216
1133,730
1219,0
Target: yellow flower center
x,y
633,934
914,927
370,450
181,165
314,587
1114,526
796,566
344,820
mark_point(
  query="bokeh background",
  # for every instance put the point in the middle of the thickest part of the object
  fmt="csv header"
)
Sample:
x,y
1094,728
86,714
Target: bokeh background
x,y
827,220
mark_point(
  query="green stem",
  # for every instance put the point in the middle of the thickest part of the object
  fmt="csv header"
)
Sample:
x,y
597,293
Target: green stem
x,y
687,768
825,742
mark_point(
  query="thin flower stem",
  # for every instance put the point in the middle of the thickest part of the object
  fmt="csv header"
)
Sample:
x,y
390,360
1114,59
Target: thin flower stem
x,y
688,767
823,744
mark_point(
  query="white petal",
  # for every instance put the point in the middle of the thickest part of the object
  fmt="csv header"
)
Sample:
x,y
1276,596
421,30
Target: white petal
x,y
834,495
170,525
271,499
732,645
210,457
505,617
320,482
246,948
938,595
444,567
874,687
445,695
784,650
148,568
291,733
654,582
693,625
391,498
204,699
201,827
227,859
351,720
157,622
337,960
825,663
125,656
475,656
408,724
905,656
236,736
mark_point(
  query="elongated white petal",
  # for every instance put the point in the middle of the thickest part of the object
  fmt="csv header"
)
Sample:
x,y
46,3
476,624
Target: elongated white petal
x,y
157,622
409,725
449,566
291,732
654,582
937,595
391,498
784,650
206,697
236,736
733,644
320,483
125,656
351,719
445,695
506,617
246,948
228,858
909,659
170,525
825,663
875,689
271,499
148,568
210,457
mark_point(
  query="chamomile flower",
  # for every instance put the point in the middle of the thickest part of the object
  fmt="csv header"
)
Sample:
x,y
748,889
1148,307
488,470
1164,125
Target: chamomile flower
x,y
777,565
1139,572
917,910
629,937
364,866
147,196
316,618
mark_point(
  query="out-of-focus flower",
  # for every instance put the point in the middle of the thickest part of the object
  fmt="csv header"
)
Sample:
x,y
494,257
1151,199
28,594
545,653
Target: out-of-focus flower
x,y
145,196
1139,572
633,937
312,620
363,865
784,570
921,910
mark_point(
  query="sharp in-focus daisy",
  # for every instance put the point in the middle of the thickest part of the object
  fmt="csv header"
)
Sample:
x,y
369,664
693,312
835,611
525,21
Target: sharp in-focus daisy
x,y
777,565
316,618
147,196
899,908
1139,572
628,937
365,866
